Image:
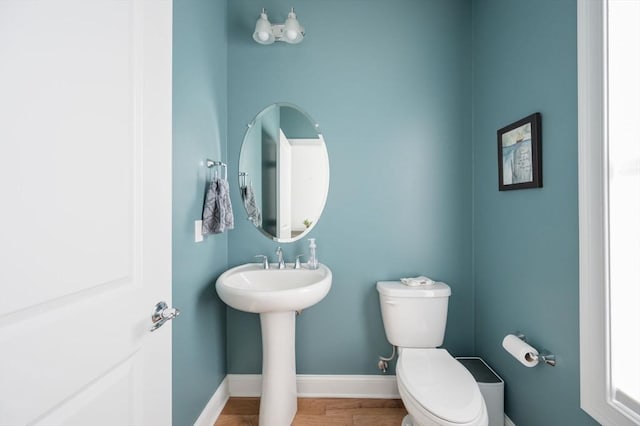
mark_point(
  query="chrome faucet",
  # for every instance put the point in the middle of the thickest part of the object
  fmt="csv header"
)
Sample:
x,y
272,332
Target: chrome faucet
x,y
281,264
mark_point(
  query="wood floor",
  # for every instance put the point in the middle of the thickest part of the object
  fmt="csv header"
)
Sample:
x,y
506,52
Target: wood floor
x,y
320,412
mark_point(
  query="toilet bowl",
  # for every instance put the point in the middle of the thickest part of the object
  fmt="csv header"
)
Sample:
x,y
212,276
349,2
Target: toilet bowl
x,y
435,388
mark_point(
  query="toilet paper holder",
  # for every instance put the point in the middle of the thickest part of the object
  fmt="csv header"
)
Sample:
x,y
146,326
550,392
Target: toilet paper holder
x,y
543,355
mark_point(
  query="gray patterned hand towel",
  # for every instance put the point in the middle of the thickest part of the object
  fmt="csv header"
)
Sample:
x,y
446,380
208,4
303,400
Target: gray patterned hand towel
x,y
250,204
217,215
225,203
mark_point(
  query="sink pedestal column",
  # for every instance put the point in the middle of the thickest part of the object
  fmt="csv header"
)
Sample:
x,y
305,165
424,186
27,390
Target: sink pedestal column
x,y
279,400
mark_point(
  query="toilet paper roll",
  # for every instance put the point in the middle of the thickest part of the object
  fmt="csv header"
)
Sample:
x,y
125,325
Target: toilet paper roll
x,y
520,350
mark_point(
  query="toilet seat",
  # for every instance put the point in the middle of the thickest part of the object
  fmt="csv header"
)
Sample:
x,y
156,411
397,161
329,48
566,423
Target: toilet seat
x,y
438,389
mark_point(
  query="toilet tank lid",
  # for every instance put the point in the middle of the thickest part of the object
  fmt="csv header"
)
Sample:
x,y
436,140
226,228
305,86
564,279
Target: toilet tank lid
x,y
397,289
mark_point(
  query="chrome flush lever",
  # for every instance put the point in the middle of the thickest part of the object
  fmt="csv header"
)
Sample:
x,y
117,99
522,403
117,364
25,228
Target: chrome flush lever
x,y
161,314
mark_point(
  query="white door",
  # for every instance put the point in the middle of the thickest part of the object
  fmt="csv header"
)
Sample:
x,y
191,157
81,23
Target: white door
x,y
284,187
85,211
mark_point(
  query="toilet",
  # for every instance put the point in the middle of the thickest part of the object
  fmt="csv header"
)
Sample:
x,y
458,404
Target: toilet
x,y
435,388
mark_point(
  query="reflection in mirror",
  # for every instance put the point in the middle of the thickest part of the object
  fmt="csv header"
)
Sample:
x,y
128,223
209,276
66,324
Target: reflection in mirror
x,y
283,172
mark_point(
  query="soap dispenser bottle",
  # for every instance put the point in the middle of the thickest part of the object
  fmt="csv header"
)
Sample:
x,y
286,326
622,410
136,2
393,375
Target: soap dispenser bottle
x,y
313,259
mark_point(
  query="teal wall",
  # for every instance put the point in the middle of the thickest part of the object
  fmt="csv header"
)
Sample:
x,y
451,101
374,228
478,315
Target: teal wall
x,y
199,131
396,115
526,241
411,135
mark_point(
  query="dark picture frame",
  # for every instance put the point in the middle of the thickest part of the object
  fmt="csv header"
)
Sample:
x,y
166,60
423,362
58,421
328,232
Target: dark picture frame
x,y
520,154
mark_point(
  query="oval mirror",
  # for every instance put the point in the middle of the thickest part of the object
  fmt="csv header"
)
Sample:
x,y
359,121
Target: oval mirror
x,y
283,172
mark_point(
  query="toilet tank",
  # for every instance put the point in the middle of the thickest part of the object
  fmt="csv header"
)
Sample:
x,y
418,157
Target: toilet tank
x,y
414,317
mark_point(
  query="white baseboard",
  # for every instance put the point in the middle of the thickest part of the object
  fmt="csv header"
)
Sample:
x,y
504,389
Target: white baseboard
x,y
245,384
215,405
508,421
347,386
322,386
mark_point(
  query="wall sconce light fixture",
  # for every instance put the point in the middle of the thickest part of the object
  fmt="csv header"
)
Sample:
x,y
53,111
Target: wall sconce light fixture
x,y
289,32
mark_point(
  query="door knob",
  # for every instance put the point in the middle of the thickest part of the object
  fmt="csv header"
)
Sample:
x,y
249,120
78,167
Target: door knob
x,y
161,314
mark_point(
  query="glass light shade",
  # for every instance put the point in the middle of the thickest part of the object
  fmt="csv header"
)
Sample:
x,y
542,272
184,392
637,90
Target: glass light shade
x,y
293,32
263,36
263,33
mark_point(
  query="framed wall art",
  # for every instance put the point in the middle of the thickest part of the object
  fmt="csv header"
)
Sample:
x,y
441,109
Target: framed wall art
x,y
520,154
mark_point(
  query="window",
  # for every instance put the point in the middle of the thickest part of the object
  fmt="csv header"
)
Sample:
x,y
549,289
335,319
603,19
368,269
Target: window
x,y
609,158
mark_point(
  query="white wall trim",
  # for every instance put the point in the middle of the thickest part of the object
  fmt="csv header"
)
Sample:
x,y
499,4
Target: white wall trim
x,y
595,389
215,405
508,421
244,384
591,197
343,386
322,386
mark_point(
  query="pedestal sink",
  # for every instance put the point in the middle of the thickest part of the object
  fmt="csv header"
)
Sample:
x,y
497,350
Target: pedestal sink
x,y
275,294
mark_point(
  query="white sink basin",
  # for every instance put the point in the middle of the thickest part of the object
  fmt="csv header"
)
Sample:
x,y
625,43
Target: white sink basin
x,y
251,288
